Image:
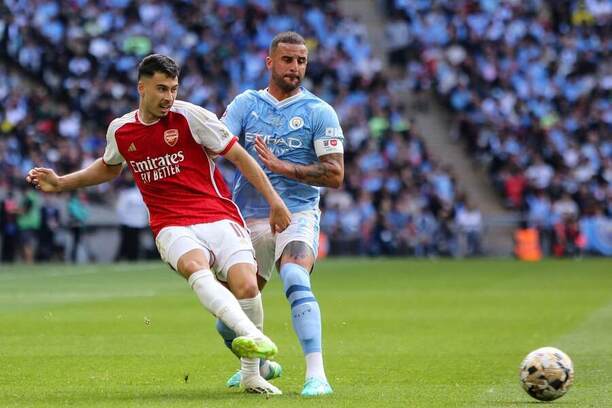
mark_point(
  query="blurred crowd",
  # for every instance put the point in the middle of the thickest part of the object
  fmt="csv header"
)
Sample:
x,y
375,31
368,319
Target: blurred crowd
x,y
70,68
530,83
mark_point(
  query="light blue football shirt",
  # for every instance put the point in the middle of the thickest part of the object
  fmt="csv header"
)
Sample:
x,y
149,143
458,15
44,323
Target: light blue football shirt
x,y
290,128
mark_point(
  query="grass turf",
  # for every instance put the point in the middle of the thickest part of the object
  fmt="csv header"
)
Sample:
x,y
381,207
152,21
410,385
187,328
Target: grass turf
x,y
396,333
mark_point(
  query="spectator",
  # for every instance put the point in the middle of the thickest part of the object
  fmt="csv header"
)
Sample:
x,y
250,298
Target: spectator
x,y
514,188
9,210
469,222
539,216
399,39
565,207
49,247
384,242
539,173
133,220
28,222
78,215
425,226
568,241
447,235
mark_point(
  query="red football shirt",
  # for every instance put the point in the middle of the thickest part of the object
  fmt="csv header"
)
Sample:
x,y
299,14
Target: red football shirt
x,y
178,180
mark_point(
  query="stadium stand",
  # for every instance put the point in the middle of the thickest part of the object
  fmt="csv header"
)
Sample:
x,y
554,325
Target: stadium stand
x,y
70,68
530,86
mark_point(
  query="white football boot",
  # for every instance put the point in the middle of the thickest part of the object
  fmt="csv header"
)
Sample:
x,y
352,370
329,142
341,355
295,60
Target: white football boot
x,y
256,384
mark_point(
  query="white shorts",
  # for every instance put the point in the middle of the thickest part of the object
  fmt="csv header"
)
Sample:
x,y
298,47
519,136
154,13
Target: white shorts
x,y
304,227
224,242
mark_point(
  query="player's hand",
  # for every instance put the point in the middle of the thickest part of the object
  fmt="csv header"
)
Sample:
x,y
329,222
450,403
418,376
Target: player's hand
x,y
280,217
268,158
44,180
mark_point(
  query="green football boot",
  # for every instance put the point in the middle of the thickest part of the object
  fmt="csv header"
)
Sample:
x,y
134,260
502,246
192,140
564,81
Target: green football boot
x,y
254,347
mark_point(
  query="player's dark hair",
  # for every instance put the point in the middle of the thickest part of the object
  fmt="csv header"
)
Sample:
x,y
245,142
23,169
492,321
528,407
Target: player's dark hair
x,y
287,37
158,63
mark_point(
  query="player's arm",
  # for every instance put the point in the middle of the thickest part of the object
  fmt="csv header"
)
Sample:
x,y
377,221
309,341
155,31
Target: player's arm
x,y
328,172
48,181
280,217
100,171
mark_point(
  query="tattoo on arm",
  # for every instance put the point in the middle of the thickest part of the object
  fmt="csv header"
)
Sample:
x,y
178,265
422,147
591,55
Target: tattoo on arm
x,y
328,172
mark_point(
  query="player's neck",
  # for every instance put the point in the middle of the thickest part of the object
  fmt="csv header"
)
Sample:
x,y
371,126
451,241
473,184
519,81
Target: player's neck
x,y
145,117
281,95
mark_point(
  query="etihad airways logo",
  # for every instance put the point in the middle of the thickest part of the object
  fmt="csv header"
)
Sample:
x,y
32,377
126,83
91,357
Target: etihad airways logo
x,y
278,145
157,168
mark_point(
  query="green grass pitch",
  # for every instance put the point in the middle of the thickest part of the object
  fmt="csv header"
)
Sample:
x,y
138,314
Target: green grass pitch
x,y
397,333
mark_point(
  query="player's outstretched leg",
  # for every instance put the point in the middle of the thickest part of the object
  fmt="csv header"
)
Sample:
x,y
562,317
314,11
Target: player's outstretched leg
x,y
250,383
253,308
251,343
306,319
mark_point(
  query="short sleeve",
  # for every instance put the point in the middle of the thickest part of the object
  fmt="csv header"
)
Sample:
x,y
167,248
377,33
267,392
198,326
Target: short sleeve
x,y
112,156
328,137
208,130
235,114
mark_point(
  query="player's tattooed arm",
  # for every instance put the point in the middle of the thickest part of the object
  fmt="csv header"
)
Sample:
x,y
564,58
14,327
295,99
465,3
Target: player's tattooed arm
x,y
328,172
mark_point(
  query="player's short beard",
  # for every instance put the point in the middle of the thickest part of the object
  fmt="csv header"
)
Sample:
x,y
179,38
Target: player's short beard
x,y
285,86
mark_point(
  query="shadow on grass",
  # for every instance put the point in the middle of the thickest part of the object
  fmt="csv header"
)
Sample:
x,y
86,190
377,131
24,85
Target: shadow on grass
x,y
145,397
532,402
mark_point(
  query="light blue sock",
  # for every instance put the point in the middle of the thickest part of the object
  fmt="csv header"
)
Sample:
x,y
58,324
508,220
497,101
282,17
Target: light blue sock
x,y
305,312
225,332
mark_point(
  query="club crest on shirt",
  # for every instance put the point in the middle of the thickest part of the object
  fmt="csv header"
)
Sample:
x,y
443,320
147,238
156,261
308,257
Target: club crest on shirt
x,y
171,137
296,123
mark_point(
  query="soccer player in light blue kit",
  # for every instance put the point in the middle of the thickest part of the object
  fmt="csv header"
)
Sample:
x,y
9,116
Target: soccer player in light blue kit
x,y
298,140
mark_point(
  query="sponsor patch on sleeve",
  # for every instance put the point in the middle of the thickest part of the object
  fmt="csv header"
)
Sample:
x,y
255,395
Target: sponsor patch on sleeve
x,y
328,146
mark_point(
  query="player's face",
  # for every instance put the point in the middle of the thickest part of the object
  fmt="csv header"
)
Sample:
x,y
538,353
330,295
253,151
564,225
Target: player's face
x,y
157,94
287,65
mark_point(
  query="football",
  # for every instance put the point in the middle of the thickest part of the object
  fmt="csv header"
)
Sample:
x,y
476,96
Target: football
x,y
547,373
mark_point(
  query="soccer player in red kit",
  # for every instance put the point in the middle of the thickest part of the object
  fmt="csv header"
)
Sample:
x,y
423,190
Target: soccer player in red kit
x,y
168,146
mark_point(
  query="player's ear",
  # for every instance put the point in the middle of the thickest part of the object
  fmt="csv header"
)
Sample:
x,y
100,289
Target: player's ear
x,y
141,88
268,62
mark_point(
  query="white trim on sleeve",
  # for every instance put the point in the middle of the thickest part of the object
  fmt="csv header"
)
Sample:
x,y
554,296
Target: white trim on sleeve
x,y
328,146
112,156
206,129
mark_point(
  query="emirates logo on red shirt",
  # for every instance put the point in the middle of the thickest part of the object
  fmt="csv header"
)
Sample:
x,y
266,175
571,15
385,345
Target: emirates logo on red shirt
x,y
171,137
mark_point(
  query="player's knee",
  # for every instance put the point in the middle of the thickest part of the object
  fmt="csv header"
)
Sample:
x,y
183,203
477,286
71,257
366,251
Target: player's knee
x,y
189,267
245,290
242,281
298,253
